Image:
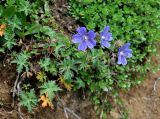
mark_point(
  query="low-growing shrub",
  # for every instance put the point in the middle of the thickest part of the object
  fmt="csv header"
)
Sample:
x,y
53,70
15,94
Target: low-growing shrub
x,y
136,22
131,21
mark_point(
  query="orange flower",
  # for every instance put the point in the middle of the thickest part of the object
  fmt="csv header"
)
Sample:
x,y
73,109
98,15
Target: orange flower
x,y
46,102
2,29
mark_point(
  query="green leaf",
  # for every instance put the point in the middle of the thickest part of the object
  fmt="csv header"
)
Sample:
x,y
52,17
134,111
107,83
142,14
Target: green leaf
x,y
52,69
48,31
15,23
9,40
33,28
1,9
9,12
10,2
45,63
79,84
24,6
2,50
22,61
28,99
46,8
49,88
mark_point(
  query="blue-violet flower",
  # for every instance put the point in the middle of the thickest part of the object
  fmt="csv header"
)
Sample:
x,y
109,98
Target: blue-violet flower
x,y
123,53
105,36
84,38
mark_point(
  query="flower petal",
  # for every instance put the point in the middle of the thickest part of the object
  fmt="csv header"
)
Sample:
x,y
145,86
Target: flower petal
x,y
108,36
123,59
126,46
120,49
91,34
90,43
119,59
82,46
106,29
82,30
77,38
105,43
129,53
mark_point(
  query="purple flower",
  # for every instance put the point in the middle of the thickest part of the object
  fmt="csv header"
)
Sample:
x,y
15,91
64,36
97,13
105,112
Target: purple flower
x,y
123,53
105,36
84,39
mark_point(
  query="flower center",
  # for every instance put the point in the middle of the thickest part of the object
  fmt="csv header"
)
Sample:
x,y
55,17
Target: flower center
x,y
85,37
121,53
102,37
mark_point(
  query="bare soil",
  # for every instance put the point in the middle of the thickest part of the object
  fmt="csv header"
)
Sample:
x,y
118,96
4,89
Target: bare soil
x,y
64,21
143,102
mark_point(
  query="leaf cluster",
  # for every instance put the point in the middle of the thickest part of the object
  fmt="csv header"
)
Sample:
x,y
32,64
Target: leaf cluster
x,y
22,19
29,99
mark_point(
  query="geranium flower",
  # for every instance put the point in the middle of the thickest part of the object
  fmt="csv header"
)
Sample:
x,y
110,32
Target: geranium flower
x,y
105,36
2,29
123,53
84,38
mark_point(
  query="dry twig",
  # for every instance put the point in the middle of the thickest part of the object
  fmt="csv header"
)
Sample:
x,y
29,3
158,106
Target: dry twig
x,y
15,89
18,87
19,111
66,109
155,83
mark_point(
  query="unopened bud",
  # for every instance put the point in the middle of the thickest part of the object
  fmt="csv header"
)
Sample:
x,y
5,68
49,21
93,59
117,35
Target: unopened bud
x,y
118,43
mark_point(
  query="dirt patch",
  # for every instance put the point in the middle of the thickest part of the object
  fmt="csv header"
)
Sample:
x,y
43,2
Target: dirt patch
x,y
143,102
7,76
83,108
62,18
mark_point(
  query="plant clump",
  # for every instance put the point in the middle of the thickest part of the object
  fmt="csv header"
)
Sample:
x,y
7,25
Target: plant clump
x,y
114,40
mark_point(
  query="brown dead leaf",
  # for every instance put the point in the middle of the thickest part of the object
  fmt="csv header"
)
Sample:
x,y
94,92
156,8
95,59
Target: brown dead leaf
x,y
64,84
2,29
35,68
45,101
27,74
